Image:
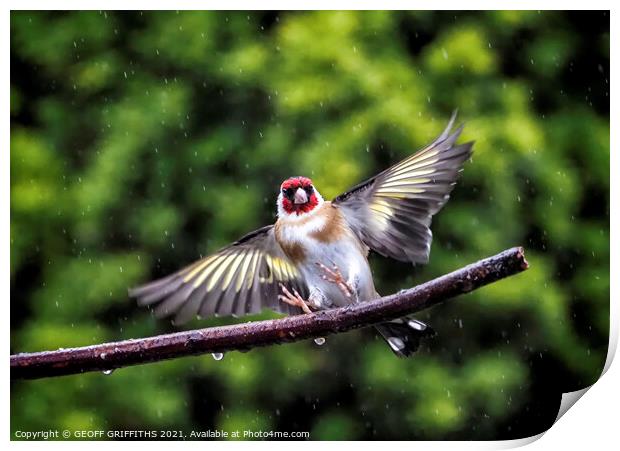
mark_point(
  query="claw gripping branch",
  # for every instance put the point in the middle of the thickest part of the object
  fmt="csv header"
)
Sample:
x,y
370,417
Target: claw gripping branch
x,y
108,356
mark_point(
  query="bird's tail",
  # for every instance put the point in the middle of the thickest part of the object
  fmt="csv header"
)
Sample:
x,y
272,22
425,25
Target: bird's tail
x,y
403,335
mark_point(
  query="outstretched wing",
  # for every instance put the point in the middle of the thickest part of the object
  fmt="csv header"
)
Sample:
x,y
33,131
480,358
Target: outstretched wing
x,y
239,279
392,211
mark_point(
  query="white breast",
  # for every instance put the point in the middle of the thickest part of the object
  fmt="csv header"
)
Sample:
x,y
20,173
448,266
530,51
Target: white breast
x,y
346,253
299,231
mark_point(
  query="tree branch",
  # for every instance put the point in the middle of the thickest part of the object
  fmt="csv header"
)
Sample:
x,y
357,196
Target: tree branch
x,y
108,356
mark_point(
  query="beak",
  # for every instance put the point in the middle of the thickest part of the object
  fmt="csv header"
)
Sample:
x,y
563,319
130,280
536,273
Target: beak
x,y
300,196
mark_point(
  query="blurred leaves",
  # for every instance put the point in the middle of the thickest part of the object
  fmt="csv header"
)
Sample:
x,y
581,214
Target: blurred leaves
x,y
141,141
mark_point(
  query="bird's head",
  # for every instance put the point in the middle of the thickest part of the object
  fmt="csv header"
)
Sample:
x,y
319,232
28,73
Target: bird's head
x,y
297,197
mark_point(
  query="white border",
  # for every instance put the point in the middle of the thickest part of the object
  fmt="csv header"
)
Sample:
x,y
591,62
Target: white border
x,y
592,425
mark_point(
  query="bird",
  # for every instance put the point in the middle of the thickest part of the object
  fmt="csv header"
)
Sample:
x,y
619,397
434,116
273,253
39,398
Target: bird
x,y
315,256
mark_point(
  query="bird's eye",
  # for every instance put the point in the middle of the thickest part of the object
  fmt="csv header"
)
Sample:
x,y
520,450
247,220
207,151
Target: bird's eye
x,y
309,189
287,191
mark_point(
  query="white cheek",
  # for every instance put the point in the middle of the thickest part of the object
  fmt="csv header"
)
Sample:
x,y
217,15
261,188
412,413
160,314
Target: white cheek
x,y
281,212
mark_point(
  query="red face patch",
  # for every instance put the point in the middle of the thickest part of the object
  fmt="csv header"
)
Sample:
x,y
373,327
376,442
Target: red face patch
x,y
289,187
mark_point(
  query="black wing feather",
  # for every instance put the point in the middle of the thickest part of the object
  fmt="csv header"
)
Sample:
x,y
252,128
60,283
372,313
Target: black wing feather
x,y
392,211
242,278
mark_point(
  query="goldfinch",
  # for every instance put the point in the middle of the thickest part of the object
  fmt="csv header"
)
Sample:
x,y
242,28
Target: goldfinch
x,y
316,254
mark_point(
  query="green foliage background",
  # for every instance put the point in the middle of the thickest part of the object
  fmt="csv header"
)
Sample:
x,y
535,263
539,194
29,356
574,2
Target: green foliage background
x,y
140,141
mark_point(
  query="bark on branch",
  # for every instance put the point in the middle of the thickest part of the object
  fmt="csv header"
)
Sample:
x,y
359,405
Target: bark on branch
x,y
108,356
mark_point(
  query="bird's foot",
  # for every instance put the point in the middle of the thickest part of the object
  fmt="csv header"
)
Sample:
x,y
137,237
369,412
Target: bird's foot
x,y
334,275
295,299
